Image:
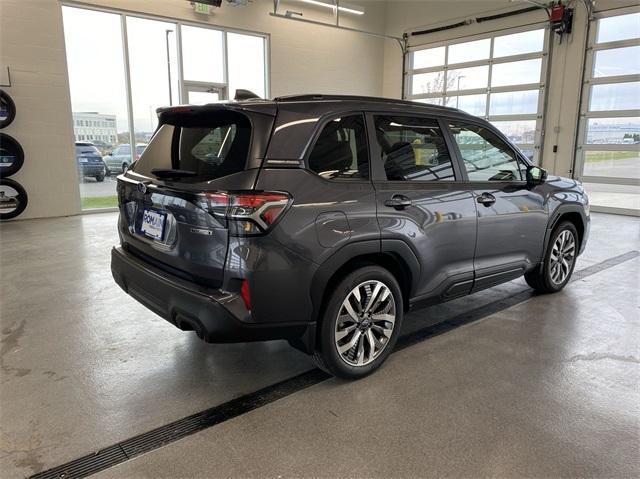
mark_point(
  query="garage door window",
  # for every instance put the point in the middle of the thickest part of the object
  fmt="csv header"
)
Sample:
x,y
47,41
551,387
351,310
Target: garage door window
x,y
608,156
499,78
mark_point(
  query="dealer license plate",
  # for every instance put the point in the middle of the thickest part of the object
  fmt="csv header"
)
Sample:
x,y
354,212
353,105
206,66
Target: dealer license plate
x,y
153,224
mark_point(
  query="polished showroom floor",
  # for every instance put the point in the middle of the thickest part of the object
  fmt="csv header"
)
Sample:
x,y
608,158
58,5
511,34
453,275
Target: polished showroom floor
x,y
530,386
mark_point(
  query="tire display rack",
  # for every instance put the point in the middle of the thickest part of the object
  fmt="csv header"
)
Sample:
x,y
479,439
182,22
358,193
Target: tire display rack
x,y
13,197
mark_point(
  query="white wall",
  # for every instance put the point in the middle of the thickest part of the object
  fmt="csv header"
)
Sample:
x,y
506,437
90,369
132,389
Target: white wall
x,y
566,65
303,59
32,45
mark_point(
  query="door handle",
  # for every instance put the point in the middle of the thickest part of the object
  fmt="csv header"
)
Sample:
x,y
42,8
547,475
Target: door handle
x,y
398,202
486,199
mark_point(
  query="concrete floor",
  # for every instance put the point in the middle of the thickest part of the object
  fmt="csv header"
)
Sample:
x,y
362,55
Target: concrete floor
x,y
547,388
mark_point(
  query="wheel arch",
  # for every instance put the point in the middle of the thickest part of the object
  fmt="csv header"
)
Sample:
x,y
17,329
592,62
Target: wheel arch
x,y
393,255
575,215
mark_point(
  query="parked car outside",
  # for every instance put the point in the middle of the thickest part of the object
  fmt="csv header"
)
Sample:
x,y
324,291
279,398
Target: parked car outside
x,y
89,161
119,159
103,147
323,219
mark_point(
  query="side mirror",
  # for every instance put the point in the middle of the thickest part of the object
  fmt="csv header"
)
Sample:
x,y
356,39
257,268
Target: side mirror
x,y
536,175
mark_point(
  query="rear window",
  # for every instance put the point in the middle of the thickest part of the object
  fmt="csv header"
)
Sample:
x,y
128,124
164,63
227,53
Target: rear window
x,y
212,150
86,149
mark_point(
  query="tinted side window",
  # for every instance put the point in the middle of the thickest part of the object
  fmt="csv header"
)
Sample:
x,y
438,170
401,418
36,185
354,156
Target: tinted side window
x,y
485,156
341,149
413,149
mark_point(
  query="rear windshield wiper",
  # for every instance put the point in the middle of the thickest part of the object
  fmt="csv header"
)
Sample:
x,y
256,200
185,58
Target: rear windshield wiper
x,y
172,173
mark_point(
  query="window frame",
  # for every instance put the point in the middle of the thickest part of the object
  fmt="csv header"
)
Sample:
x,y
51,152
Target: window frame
x,y
319,128
375,156
539,86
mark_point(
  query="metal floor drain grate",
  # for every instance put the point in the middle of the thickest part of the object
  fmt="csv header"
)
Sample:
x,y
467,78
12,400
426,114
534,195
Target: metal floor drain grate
x,y
150,440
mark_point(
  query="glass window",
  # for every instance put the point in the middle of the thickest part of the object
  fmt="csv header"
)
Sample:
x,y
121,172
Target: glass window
x,y
210,147
432,57
617,61
514,103
468,78
413,149
341,150
615,96
469,51
202,97
516,73
612,164
202,54
485,156
473,104
95,62
520,132
613,131
518,43
154,73
246,64
427,83
621,27
613,196
430,101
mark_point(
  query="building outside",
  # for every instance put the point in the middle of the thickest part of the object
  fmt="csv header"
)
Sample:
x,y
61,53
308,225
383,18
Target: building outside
x,y
95,127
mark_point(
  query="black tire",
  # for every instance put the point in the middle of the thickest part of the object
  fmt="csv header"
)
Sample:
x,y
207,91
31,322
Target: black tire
x,y
124,167
326,355
19,201
100,178
107,171
540,279
7,104
9,146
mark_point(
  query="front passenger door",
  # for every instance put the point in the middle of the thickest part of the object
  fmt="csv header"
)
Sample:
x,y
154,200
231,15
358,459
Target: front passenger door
x,y
512,219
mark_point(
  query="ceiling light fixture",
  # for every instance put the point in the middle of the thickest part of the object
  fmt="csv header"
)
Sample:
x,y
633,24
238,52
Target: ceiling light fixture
x,y
333,7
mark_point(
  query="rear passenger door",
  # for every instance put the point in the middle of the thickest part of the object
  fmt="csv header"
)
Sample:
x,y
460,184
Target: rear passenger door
x,y
422,203
512,219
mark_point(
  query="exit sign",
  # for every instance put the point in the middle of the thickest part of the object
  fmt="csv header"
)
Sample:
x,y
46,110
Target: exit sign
x,y
201,8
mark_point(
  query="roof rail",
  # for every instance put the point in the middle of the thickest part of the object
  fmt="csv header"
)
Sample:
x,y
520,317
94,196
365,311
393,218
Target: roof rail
x,y
375,99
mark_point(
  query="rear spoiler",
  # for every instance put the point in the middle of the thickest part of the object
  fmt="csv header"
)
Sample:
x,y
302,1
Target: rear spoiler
x,y
264,107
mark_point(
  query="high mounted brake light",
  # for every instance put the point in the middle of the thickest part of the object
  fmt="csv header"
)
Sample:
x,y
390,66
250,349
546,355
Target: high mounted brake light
x,y
248,213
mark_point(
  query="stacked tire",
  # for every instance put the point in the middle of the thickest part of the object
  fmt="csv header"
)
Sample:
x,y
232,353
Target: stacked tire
x,y
13,197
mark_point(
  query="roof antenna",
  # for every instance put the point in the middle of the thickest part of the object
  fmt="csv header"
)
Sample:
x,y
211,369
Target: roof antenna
x,y
245,95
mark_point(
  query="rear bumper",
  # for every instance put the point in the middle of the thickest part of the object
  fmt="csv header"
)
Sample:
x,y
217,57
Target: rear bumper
x,y
216,316
91,170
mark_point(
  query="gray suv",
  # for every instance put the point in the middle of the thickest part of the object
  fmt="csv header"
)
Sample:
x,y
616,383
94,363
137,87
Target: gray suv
x,y
323,219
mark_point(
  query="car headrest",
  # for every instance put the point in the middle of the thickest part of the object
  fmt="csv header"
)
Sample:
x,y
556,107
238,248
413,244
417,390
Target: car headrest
x,y
330,153
400,158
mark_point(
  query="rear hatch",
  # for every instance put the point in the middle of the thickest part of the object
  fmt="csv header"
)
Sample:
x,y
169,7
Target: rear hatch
x,y
87,154
174,199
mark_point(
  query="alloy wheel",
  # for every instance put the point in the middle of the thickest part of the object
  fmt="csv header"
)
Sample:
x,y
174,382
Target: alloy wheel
x,y
563,255
365,323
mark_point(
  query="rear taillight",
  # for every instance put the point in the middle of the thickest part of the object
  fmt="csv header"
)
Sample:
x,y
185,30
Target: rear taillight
x,y
244,293
248,213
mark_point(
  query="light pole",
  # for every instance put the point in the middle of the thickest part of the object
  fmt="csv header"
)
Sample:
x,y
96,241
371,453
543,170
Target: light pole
x,y
458,91
168,65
